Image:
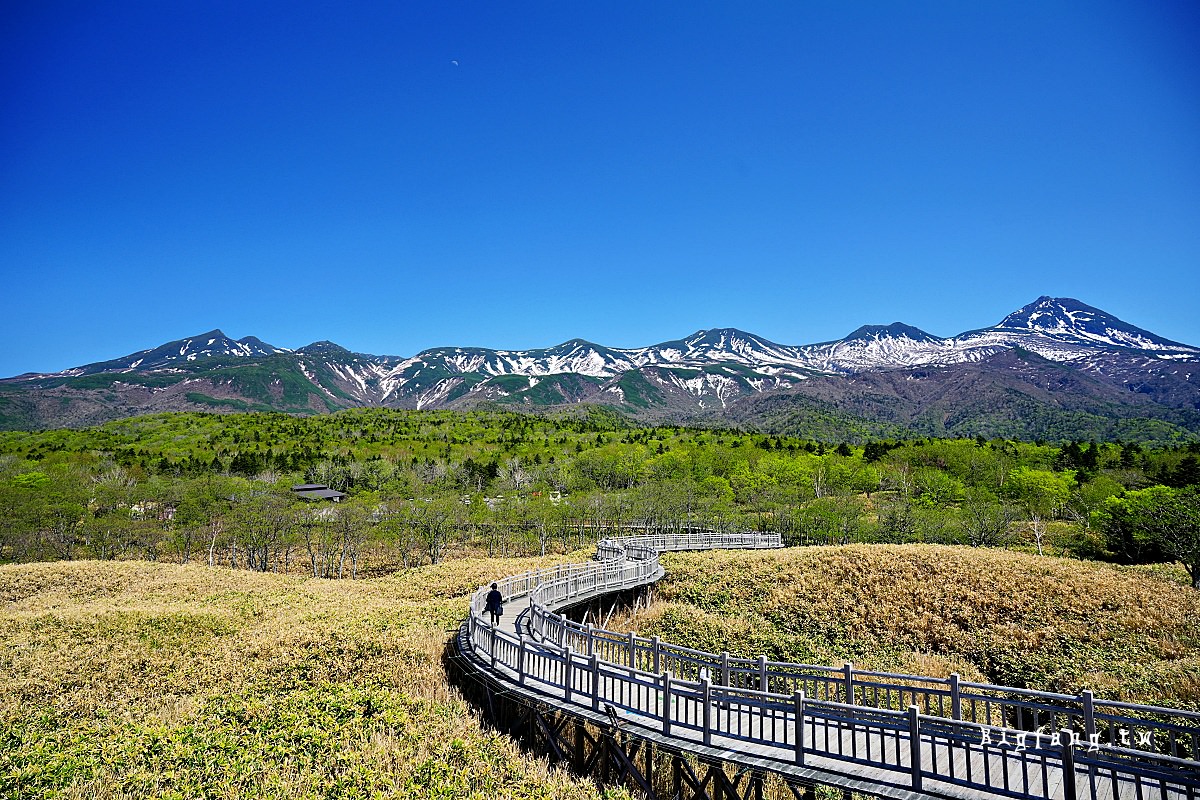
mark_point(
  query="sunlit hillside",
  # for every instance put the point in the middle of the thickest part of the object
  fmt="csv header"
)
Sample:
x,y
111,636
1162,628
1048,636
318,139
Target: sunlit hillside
x,y
132,679
136,679
1130,633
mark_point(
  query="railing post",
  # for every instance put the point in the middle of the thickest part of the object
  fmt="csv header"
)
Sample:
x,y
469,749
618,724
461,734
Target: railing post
x,y
656,651
706,699
1089,713
762,674
1066,740
848,680
595,666
567,673
521,662
725,668
492,645
665,705
914,746
799,699
591,642
955,697
632,649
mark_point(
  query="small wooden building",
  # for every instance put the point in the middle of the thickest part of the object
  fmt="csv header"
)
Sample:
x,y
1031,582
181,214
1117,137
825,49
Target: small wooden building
x,y
317,491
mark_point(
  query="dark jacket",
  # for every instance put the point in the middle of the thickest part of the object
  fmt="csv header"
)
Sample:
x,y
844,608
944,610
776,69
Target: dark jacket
x,y
494,602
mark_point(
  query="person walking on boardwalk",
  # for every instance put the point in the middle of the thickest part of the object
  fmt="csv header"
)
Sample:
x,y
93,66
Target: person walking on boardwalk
x,y
494,604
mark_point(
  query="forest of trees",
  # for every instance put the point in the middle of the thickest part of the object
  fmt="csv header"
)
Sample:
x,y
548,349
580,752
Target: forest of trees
x,y
423,486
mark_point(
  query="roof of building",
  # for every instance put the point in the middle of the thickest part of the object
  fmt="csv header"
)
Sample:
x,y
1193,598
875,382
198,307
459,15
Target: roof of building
x,y
322,493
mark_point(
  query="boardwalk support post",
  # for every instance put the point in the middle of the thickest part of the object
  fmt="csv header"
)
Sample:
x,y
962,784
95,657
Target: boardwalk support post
x,y
914,746
1066,740
799,699
665,707
955,698
706,701
567,673
595,667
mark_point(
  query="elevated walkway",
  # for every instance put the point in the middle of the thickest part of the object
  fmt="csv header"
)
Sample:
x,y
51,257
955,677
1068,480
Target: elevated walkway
x,y
897,736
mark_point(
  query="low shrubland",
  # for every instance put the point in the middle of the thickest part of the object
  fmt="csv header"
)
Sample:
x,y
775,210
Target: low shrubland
x,y
1015,619
133,679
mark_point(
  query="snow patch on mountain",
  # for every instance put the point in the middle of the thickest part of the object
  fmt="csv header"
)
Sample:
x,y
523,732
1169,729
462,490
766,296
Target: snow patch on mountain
x,y
1068,319
434,396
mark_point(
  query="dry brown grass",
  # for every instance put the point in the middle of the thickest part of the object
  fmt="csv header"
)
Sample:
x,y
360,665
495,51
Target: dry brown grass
x,y
137,679
1013,618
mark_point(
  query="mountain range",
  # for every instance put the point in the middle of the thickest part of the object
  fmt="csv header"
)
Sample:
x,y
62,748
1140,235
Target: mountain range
x,y
1054,369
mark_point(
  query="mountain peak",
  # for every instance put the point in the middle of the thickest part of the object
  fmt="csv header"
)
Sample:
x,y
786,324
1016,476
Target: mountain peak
x,y
1069,319
323,348
1050,311
720,337
255,342
574,344
897,330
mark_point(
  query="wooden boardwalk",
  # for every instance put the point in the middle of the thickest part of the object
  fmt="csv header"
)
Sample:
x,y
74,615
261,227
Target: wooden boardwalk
x,y
898,736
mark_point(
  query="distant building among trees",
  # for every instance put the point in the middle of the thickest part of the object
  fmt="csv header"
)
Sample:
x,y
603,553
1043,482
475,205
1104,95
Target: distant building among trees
x,y
315,492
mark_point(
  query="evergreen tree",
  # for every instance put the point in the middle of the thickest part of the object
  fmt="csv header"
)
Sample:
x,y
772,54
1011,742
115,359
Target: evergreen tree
x,y
1186,473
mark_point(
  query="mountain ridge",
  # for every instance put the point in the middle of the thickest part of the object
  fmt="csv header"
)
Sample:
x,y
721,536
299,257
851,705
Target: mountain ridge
x,y
1097,328
700,378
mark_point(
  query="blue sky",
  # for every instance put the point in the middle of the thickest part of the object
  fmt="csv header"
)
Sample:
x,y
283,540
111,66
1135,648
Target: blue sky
x,y
398,176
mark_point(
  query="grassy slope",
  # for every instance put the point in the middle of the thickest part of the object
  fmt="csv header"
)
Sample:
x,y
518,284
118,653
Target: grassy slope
x,y
1016,619
137,679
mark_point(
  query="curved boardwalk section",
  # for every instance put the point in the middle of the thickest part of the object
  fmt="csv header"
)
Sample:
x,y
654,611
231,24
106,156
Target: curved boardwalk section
x,y
901,736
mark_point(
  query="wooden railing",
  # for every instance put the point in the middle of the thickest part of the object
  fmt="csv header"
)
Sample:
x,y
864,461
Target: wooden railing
x,y
922,733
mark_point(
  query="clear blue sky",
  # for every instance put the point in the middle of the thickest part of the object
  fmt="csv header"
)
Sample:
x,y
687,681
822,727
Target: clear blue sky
x,y
397,176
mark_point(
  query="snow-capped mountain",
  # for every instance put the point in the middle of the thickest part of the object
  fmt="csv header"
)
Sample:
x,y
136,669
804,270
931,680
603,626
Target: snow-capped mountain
x,y
1059,329
719,346
202,346
698,376
1071,321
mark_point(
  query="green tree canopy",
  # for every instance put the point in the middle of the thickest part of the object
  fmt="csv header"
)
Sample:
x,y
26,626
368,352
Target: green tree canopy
x,y
1150,524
